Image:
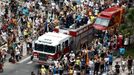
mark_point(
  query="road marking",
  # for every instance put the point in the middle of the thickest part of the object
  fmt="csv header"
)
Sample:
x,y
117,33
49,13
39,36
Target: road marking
x,y
25,59
30,62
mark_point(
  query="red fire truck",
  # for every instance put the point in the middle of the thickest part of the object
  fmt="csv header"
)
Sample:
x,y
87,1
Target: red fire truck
x,y
53,45
109,18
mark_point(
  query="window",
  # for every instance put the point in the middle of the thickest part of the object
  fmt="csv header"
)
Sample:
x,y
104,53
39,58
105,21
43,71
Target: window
x,y
102,21
66,43
58,48
45,48
38,47
111,22
49,49
63,45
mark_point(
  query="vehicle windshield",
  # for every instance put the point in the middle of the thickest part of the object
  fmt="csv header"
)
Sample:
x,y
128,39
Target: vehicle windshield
x,y
49,49
44,48
102,21
38,47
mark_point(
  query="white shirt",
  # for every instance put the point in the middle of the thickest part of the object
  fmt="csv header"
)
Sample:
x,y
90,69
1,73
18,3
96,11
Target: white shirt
x,y
106,59
28,5
37,22
126,41
66,2
33,3
17,52
91,3
89,21
102,2
56,63
75,72
40,3
123,62
4,36
72,55
72,60
91,63
65,59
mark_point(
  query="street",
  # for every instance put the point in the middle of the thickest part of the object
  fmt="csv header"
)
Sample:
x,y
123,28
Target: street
x,y
21,68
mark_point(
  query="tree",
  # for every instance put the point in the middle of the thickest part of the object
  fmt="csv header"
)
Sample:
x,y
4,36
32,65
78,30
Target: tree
x,y
128,26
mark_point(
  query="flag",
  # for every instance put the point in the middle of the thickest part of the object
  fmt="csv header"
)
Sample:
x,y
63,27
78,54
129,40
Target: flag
x,y
87,58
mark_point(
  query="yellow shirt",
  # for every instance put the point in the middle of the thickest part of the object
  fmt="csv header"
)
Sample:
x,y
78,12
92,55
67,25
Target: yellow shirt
x,y
77,62
71,72
25,32
28,24
43,70
92,19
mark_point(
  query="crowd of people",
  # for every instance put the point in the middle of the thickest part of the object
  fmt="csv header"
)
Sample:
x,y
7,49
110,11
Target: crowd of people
x,y
95,60
23,21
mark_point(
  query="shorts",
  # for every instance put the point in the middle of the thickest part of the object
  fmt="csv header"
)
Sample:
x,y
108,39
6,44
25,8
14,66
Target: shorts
x,y
110,63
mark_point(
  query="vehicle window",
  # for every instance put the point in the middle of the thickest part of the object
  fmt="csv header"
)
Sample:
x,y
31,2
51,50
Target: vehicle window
x,y
38,47
66,43
111,22
58,47
49,49
63,45
102,21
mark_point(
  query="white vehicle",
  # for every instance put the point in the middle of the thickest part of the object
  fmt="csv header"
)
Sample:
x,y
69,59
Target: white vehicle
x,y
53,45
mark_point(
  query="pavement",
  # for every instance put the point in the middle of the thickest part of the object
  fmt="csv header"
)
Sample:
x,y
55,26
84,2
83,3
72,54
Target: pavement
x,y
23,67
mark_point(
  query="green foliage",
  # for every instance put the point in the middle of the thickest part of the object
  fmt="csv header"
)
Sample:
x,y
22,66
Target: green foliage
x,y
130,17
127,28
130,52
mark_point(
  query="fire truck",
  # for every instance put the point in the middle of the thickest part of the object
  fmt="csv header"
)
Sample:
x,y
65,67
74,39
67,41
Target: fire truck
x,y
53,45
109,19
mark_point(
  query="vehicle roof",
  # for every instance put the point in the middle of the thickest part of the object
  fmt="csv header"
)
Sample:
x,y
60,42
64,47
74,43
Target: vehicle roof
x,y
52,38
110,11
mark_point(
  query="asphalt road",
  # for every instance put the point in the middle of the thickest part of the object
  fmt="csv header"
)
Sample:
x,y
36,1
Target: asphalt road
x,y
20,68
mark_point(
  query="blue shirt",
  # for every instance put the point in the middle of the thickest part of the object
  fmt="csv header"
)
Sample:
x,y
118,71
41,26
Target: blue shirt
x,y
25,11
122,50
78,18
54,71
78,2
110,58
